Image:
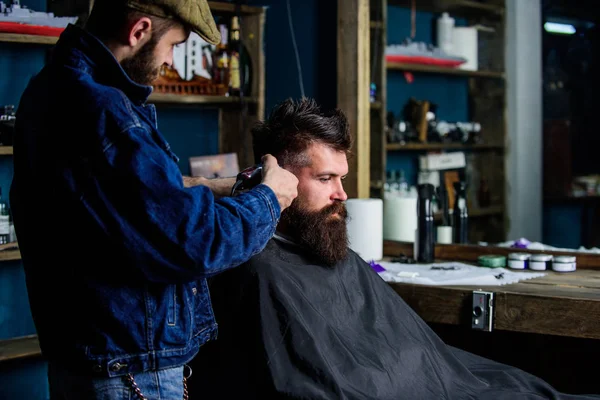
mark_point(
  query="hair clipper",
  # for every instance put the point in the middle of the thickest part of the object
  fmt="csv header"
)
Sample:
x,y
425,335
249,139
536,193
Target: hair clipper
x,y
248,178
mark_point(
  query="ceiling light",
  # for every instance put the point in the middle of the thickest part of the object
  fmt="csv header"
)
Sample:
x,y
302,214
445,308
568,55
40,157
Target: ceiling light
x,y
555,27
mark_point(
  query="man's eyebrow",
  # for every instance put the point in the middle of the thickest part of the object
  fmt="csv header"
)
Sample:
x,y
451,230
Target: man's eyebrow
x,y
329,174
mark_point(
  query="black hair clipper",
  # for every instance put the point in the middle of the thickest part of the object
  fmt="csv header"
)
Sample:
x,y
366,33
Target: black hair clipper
x,y
248,178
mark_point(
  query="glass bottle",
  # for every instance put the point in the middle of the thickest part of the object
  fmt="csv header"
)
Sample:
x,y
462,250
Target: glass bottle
x,y
460,214
4,220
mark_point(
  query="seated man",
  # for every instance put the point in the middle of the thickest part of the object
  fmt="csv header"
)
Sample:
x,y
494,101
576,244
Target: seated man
x,y
307,318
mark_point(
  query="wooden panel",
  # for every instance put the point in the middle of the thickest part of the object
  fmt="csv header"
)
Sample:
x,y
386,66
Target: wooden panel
x,y
557,158
487,168
460,7
487,102
32,39
234,123
441,146
235,136
470,253
217,6
378,42
444,71
353,64
6,150
376,105
18,348
436,304
168,98
544,305
548,315
10,255
10,252
583,278
252,28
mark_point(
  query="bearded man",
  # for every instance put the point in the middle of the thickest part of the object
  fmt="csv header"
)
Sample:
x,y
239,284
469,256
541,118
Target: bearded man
x,y
128,306
307,318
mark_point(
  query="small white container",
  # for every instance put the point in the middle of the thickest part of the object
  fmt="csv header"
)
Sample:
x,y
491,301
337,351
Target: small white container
x,y
444,234
518,260
564,264
445,29
540,262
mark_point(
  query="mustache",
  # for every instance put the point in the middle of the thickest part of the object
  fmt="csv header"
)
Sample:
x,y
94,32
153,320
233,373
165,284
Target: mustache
x,y
336,208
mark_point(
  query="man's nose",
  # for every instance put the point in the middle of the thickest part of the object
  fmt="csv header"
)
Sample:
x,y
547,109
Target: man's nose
x,y
340,193
169,60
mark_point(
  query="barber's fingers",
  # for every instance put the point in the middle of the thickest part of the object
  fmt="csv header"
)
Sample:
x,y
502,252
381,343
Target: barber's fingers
x,y
281,181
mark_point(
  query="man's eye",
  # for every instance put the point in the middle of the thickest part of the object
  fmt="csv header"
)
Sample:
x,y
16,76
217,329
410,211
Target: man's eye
x,y
325,179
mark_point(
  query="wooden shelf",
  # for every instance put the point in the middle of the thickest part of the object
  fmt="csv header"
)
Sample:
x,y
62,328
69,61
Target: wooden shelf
x,y
161,98
376,105
216,6
32,39
440,146
9,252
6,150
19,348
430,69
461,7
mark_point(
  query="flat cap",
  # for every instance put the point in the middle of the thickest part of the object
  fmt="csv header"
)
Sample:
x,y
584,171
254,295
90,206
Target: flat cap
x,y
195,14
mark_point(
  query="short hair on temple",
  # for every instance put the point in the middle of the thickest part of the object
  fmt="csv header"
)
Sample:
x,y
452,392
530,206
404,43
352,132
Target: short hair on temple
x,y
293,126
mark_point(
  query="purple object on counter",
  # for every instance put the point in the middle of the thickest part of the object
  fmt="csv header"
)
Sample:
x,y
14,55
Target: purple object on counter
x,y
378,268
521,243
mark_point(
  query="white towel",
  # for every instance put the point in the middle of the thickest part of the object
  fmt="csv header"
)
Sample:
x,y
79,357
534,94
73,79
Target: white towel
x,y
462,274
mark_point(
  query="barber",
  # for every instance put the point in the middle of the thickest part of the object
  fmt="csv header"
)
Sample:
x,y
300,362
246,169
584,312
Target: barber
x,y
115,243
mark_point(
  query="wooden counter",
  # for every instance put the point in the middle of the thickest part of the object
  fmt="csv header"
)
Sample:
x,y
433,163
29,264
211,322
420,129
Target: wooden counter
x,y
562,304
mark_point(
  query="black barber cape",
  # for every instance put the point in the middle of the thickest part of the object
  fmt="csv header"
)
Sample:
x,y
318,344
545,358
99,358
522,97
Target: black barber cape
x,y
291,328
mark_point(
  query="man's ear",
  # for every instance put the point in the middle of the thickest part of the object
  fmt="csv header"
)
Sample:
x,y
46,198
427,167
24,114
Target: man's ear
x,y
139,32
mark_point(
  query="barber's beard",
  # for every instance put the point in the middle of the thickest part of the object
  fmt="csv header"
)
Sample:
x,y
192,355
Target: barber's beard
x,y
141,67
321,232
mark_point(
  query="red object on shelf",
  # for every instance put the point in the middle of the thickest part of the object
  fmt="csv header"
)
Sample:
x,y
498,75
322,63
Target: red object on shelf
x,y
26,29
424,60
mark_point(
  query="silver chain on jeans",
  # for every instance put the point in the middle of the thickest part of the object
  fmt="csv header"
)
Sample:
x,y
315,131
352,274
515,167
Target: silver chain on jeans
x,y
141,396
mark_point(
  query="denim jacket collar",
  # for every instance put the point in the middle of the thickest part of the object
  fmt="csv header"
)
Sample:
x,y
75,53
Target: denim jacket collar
x,y
82,50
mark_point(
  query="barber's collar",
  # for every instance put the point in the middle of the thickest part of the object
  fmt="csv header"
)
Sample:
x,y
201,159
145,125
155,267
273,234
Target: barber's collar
x,y
80,49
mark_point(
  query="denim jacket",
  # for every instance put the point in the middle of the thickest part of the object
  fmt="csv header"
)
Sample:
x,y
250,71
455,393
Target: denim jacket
x,y
116,250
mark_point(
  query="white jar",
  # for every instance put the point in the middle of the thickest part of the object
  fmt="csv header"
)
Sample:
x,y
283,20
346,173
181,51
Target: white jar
x,y
540,262
445,29
564,264
518,260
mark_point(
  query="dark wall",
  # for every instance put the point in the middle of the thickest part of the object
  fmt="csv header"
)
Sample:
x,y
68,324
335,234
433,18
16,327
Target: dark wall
x,y
315,26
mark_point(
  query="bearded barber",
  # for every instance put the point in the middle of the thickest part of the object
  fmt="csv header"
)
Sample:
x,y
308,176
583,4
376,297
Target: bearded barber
x,y
126,305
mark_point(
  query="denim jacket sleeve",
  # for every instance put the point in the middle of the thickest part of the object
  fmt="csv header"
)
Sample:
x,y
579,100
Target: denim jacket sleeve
x,y
172,232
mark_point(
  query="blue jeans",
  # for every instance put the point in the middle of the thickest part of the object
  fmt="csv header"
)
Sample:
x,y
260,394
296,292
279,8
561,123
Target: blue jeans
x,y
166,384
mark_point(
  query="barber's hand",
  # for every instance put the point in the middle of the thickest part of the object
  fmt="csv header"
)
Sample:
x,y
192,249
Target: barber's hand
x,y
283,183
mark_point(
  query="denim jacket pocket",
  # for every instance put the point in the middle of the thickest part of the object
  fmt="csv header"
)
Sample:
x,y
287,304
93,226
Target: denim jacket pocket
x,y
203,312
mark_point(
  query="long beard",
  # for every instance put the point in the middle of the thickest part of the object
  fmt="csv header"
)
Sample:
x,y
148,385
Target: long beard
x,y
141,67
322,233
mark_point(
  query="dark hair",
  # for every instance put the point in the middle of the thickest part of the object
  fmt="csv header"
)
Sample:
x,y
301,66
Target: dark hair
x,y
108,19
293,126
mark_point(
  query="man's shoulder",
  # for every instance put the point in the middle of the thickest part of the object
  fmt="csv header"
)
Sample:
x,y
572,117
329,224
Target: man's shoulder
x,y
265,258
104,102
89,100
